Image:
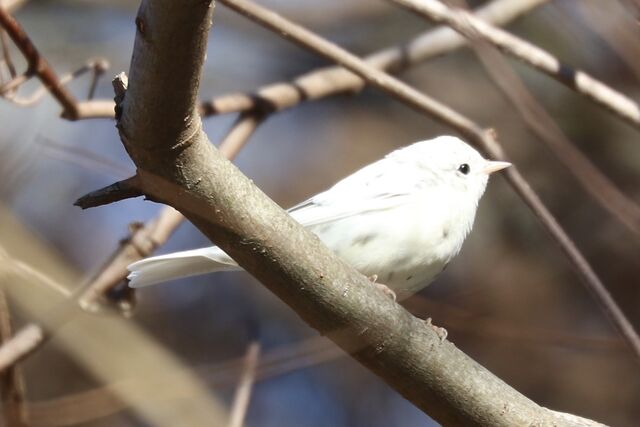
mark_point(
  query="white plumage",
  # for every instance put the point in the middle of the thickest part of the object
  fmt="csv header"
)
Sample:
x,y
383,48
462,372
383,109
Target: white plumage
x,y
402,218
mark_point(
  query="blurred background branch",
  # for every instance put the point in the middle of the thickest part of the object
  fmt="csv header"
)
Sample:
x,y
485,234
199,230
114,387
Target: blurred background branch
x,y
532,55
483,139
575,359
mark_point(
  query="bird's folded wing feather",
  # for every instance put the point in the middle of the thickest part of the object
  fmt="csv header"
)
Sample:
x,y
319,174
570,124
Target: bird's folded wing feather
x,y
379,186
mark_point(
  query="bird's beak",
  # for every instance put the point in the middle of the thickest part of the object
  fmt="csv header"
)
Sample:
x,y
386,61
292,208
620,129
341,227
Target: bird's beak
x,y
494,166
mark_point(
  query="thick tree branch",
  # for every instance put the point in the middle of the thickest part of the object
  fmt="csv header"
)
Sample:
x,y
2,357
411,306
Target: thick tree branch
x,y
161,130
485,140
144,239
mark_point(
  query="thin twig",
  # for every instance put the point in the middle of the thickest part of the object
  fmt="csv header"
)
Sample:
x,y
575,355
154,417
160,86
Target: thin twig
x,y
98,352
242,396
336,80
121,190
12,387
12,5
481,138
142,241
6,54
38,65
13,84
146,238
613,25
82,157
596,183
96,67
470,26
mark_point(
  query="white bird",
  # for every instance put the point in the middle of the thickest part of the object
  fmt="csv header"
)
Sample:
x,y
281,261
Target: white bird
x,y
400,219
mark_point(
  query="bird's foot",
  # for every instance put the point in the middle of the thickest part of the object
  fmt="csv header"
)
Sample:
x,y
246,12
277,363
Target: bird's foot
x,y
387,291
441,332
384,288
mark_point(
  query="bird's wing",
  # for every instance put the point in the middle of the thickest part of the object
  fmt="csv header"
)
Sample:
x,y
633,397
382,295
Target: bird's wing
x,y
379,186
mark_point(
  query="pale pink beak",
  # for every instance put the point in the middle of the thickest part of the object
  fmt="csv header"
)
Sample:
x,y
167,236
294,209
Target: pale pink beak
x,y
494,166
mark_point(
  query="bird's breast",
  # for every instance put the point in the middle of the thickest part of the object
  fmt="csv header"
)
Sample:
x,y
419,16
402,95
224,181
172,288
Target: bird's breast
x,y
405,246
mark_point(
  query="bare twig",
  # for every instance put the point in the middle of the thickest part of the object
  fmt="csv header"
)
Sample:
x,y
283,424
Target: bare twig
x,y
38,65
22,344
143,240
335,80
596,183
288,259
613,24
472,131
12,387
83,157
12,5
6,54
96,67
34,291
242,396
121,190
13,84
470,26
146,238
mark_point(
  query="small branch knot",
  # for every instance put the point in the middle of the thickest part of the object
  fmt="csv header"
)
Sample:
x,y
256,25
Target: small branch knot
x,y
120,190
120,83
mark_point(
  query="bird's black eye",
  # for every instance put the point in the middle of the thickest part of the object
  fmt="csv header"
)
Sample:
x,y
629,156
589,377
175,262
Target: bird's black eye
x,y
464,168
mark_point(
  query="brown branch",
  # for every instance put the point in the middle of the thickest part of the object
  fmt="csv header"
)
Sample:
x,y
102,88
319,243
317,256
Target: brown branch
x,y
612,24
12,5
6,54
100,353
38,65
330,81
470,26
143,240
14,83
121,190
177,163
335,80
12,387
592,180
484,140
88,405
146,238
96,67
242,396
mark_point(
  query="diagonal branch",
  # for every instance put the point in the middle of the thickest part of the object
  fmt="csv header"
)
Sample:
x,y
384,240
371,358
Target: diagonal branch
x,y
472,27
593,181
176,163
320,83
12,387
146,238
483,139
142,241
329,81
38,65
336,80
242,396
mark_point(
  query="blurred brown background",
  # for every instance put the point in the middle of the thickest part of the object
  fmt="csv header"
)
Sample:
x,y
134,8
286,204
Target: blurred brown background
x,y
510,300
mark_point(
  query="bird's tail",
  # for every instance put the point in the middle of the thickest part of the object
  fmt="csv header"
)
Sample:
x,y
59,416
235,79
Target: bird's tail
x,y
150,271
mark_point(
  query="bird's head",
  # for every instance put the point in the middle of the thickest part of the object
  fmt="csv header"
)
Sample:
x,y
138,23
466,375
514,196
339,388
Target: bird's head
x,y
452,163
